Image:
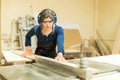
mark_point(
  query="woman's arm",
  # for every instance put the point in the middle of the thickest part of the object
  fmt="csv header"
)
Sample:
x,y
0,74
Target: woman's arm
x,y
28,36
60,42
28,49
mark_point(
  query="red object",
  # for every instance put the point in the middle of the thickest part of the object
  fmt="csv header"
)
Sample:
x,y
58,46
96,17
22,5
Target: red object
x,y
29,51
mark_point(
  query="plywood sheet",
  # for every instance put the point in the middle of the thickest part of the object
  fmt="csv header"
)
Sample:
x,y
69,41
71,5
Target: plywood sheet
x,y
11,57
72,37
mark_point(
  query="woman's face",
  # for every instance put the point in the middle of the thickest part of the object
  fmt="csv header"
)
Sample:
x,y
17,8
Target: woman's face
x,y
47,23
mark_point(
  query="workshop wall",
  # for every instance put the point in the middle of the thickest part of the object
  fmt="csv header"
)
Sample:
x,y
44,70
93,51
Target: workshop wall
x,y
91,15
68,11
0,31
108,20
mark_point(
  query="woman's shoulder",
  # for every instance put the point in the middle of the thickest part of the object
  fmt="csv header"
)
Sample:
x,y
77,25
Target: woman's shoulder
x,y
57,27
35,27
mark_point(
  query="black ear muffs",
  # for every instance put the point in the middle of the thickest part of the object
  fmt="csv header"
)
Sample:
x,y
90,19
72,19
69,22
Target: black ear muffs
x,y
39,20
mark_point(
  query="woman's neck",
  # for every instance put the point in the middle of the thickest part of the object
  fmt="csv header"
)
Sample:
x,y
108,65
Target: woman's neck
x,y
46,32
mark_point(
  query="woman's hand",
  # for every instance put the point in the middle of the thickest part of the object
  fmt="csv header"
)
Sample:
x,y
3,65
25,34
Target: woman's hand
x,y
60,57
27,52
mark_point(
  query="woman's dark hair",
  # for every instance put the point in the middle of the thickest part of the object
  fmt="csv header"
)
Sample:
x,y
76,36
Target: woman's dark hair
x,y
45,14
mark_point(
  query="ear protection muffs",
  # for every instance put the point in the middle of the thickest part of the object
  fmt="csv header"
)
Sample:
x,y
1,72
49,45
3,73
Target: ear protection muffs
x,y
54,19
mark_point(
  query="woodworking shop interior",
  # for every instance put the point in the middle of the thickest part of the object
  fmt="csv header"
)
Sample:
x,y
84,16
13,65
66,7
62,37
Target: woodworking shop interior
x,y
91,40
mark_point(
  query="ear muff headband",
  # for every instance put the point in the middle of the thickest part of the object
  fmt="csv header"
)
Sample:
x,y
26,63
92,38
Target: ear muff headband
x,y
54,19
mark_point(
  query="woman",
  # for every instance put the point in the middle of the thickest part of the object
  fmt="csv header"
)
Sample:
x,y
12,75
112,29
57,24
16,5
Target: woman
x,y
49,35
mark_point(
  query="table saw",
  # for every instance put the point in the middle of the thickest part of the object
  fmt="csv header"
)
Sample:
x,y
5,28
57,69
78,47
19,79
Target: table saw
x,y
44,69
98,68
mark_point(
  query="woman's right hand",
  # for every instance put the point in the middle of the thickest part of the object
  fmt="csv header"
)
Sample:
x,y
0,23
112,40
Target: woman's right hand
x,y
27,52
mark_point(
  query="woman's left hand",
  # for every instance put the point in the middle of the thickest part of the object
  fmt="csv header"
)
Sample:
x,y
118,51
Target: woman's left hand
x,y
60,57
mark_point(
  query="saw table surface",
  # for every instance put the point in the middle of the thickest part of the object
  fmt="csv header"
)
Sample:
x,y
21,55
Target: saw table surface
x,y
49,69
29,72
108,66
44,69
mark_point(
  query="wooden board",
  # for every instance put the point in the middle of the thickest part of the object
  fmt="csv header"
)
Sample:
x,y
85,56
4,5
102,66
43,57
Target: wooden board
x,y
72,37
116,46
11,57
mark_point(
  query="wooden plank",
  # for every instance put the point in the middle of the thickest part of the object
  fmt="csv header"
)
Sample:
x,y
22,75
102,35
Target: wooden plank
x,y
93,47
92,51
116,47
103,47
11,57
72,37
19,52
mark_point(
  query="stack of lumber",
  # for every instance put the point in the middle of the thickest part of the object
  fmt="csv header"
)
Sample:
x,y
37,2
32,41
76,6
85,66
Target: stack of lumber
x,y
98,46
103,48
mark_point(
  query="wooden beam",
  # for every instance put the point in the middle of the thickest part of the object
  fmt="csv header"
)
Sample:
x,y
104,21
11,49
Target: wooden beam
x,y
11,57
102,46
116,47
